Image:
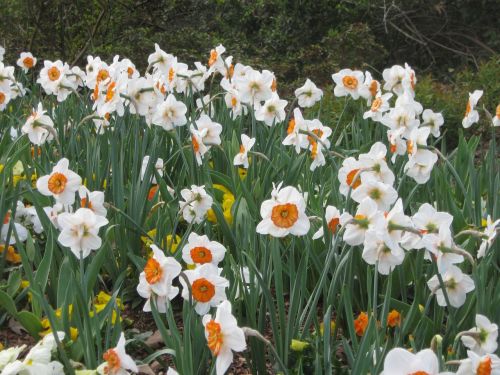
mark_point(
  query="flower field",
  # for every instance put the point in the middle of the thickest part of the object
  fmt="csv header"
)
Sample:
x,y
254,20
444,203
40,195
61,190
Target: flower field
x,y
189,220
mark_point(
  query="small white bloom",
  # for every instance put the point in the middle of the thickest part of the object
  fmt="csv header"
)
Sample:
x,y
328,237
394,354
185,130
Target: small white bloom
x,y
241,158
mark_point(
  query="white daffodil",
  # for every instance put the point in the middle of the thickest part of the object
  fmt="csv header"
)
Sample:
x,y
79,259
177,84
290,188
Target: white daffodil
x,y
273,110
457,286
374,165
400,361
200,250
117,361
433,120
241,158
80,231
482,339
379,106
490,234
393,78
223,336
471,115
284,213
254,86
26,61
382,194
368,216
155,281
308,94
332,220
39,127
196,203
10,355
62,183
487,364
379,249
210,130
208,288
496,118
420,165
349,82
199,148
93,200
295,137
439,247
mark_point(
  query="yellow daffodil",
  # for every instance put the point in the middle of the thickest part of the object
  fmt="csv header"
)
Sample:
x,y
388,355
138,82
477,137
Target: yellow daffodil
x,y
299,346
227,204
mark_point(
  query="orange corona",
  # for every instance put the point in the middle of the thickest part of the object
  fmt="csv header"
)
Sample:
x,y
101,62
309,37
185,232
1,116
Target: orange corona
x,y
57,183
285,215
201,255
153,271
54,73
214,338
203,290
350,82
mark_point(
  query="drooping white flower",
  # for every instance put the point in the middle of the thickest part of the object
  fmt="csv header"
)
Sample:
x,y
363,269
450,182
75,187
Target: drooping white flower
x,y
37,126
368,216
80,231
379,249
210,130
295,137
482,339
420,165
439,247
223,336
284,213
